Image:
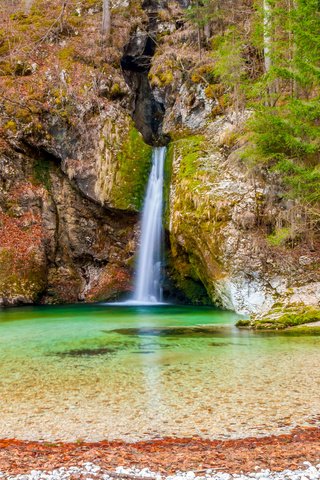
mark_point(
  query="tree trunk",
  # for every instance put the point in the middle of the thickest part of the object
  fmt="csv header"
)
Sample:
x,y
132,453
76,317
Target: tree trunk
x,y
267,35
27,6
207,31
106,21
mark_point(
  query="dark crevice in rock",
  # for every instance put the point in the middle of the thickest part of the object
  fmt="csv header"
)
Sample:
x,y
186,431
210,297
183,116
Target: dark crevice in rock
x,y
147,111
34,151
182,283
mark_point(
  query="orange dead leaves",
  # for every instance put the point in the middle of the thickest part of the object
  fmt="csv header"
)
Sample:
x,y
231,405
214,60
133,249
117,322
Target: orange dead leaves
x,y
20,239
169,454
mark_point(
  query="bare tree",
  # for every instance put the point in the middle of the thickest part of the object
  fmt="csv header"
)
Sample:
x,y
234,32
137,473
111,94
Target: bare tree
x,y
267,35
106,21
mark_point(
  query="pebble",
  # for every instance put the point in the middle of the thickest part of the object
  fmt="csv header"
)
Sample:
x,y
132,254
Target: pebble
x,y
89,471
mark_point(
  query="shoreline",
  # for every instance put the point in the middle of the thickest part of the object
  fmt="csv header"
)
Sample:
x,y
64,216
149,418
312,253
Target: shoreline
x,y
168,455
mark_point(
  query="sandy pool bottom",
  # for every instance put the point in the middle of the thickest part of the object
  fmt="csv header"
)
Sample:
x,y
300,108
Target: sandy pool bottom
x,y
103,373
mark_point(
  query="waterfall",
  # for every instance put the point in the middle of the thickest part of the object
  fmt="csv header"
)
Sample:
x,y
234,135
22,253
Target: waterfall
x,y
148,275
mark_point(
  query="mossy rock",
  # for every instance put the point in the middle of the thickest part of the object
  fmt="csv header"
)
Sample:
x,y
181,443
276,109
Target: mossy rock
x,y
167,184
286,317
194,219
134,162
23,283
194,291
243,323
127,159
189,149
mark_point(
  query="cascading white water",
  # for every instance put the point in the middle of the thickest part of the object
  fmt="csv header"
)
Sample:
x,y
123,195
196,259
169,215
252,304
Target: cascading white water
x,y
148,276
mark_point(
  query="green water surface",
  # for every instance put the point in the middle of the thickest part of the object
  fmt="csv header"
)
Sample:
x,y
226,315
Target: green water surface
x,y
100,371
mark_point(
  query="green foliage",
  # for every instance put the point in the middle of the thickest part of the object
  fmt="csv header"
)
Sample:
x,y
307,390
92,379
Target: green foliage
x,y
279,237
305,19
287,139
229,61
286,99
202,12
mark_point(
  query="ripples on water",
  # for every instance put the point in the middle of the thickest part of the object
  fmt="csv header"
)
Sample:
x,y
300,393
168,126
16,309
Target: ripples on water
x,y
94,372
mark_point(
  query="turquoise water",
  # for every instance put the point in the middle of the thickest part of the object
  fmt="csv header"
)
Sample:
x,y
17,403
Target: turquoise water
x,y
97,371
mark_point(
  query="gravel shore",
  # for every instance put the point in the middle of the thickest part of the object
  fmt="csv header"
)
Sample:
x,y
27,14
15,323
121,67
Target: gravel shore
x,y
90,471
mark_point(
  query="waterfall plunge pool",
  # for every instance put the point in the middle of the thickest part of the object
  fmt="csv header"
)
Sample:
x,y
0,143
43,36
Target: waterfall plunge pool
x,y
117,372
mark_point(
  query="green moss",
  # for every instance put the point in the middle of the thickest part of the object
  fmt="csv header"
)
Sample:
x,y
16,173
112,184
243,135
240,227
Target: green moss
x,y
4,44
65,55
133,166
167,183
185,273
11,125
196,224
204,74
194,291
161,78
304,315
26,279
243,323
91,4
41,172
279,237
33,24
302,330
116,92
214,91
190,149
290,316
161,74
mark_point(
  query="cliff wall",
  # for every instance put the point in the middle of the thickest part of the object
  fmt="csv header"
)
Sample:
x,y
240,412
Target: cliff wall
x,y
78,118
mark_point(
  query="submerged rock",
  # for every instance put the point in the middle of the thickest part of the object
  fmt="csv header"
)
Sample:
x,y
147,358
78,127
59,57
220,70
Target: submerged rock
x,y
86,352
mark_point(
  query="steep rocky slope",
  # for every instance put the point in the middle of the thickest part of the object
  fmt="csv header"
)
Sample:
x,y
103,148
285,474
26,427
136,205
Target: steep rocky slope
x,y
73,165
222,216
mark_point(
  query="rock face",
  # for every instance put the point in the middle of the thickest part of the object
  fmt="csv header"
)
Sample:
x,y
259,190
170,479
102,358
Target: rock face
x,y
73,164
230,227
56,245
75,157
221,216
